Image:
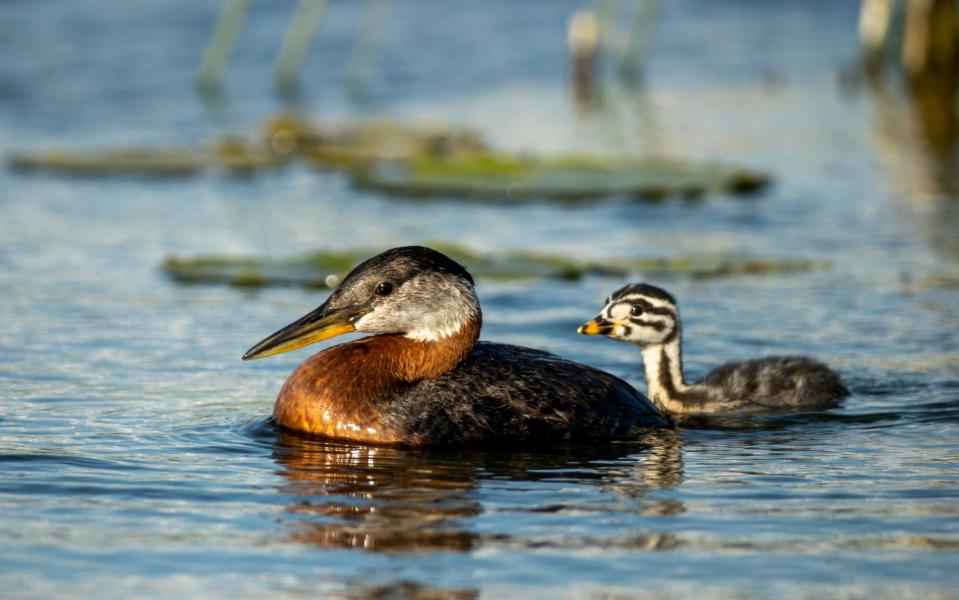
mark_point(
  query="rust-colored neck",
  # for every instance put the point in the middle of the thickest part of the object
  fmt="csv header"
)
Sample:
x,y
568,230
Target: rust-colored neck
x,y
408,360
345,391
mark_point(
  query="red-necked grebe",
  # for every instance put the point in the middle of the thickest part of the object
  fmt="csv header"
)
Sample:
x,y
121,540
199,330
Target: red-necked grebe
x,y
647,316
423,379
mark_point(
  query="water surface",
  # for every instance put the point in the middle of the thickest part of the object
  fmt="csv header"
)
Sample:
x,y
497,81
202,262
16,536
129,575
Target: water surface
x,y
137,455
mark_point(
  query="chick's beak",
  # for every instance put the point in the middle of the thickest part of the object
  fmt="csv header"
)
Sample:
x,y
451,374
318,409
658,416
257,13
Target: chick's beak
x,y
321,324
597,326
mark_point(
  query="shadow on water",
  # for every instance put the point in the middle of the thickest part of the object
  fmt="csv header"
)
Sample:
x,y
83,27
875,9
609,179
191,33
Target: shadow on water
x,y
394,500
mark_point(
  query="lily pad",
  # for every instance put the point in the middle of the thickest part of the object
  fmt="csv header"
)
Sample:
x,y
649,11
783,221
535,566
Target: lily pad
x,y
562,178
325,269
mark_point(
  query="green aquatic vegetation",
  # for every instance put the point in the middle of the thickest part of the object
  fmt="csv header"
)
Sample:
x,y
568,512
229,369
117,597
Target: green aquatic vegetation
x,y
713,265
562,178
285,136
415,159
350,145
230,155
320,269
483,165
134,161
325,269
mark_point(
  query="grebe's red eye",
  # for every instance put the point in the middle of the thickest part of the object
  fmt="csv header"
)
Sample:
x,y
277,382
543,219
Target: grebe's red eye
x,y
384,288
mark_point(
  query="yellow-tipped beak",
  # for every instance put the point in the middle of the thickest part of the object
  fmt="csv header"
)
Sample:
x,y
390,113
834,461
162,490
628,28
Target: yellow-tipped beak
x,y
321,324
596,326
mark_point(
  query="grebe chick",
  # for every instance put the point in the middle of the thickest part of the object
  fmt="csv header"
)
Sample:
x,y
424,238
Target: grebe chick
x,y
423,379
648,316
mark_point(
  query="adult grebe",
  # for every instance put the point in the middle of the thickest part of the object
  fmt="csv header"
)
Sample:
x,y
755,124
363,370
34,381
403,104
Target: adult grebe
x,y
424,379
647,316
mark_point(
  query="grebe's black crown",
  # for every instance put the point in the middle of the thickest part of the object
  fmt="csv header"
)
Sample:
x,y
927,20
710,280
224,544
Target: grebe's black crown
x,y
644,289
409,261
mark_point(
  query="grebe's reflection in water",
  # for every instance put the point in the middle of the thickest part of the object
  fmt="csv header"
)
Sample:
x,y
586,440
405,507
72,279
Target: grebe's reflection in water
x,y
385,499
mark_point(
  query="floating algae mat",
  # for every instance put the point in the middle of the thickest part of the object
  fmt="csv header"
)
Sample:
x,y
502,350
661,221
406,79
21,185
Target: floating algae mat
x,y
229,155
564,178
326,269
335,146
353,144
404,158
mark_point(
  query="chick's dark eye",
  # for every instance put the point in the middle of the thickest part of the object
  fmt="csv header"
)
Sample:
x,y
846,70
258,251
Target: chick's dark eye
x,y
384,288
636,310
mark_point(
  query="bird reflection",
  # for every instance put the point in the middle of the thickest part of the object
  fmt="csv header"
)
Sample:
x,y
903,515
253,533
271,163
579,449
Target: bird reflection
x,y
384,499
661,466
376,498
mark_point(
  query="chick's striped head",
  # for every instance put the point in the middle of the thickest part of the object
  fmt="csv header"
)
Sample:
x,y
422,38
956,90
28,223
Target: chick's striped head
x,y
639,313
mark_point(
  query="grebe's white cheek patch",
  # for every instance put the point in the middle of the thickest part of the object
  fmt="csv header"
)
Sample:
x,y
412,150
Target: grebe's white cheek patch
x,y
363,322
436,333
374,322
619,311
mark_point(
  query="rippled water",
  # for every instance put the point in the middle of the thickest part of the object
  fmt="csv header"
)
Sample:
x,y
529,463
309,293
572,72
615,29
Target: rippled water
x,y
137,455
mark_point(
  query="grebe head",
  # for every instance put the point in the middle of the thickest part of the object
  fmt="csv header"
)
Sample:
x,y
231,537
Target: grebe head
x,y
412,291
639,313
